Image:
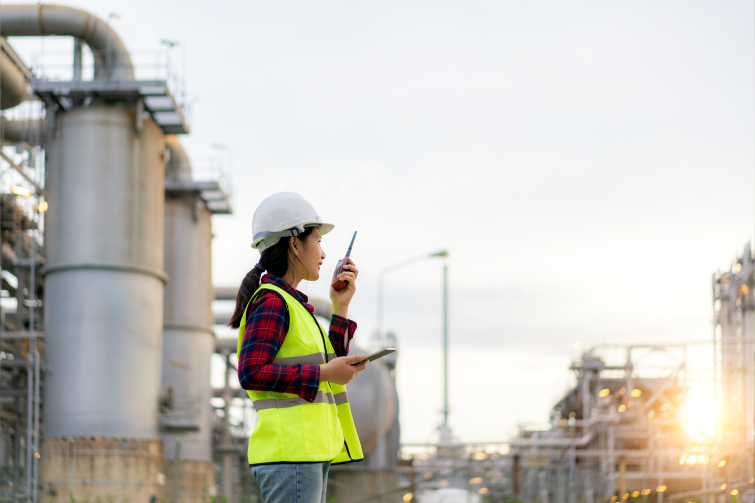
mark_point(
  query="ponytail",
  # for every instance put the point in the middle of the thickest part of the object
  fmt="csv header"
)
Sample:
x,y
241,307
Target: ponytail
x,y
275,260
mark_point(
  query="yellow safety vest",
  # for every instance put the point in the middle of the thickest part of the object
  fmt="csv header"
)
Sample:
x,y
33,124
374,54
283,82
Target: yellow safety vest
x,y
289,429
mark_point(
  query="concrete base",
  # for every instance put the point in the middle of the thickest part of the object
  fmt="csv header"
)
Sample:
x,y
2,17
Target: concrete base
x,y
196,481
348,485
101,469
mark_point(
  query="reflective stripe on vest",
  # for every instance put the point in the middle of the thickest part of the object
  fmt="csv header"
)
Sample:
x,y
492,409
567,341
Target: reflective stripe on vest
x,y
283,403
313,359
290,429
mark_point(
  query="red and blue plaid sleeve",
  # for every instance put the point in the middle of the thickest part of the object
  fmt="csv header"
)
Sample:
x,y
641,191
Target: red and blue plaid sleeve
x,y
338,327
266,328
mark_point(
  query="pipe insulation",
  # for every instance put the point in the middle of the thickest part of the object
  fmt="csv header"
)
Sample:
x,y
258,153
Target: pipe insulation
x,y
36,20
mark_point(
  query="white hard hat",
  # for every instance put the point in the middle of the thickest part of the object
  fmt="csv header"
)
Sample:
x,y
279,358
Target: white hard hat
x,y
283,214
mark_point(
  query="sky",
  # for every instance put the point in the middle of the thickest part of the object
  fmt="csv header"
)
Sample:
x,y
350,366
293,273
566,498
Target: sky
x,y
587,164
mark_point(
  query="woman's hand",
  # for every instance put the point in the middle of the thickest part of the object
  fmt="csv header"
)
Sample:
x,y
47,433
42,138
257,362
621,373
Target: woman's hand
x,y
342,298
339,371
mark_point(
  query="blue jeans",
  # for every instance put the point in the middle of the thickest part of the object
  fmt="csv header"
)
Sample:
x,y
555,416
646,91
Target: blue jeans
x,y
293,482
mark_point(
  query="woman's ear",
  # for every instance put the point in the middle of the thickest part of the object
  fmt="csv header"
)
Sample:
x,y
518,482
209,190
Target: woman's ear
x,y
293,245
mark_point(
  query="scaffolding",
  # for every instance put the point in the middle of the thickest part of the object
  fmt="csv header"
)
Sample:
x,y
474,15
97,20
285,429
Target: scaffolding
x,y
22,207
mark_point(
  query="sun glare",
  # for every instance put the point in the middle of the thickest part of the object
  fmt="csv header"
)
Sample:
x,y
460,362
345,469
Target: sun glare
x,y
700,412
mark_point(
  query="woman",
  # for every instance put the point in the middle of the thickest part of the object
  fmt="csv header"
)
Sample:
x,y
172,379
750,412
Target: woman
x,y
293,372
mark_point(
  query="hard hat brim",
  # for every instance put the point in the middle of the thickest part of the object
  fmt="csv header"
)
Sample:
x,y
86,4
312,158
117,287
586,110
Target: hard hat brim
x,y
274,237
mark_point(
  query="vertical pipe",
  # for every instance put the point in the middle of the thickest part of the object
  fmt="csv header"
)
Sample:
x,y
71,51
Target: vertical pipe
x,y
445,345
517,477
660,476
177,471
611,460
715,358
78,60
685,396
226,435
29,421
71,465
380,450
727,322
412,477
622,476
380,310
573,476
748,347
544,488
35,460
585,401
33,349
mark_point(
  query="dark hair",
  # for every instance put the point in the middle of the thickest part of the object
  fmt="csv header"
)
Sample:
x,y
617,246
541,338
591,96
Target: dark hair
x,y
275,260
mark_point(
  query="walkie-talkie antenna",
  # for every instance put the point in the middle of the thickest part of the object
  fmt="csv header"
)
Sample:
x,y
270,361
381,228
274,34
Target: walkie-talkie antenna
x,y
351,244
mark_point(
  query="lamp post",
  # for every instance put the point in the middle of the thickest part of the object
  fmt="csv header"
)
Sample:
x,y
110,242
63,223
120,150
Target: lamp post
x,y
380,449
445,349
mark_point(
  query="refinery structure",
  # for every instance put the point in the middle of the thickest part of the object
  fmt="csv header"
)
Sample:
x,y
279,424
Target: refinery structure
x,y
107,330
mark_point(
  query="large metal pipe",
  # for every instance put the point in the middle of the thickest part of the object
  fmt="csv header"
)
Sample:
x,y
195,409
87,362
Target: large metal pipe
x,y
188,339
21,130
13,84
35,20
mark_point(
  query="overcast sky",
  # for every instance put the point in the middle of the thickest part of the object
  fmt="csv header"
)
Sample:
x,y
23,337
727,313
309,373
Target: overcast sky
x,y
588,165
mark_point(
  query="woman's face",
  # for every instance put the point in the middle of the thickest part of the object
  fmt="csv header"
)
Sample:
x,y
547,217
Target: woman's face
x,y
309,255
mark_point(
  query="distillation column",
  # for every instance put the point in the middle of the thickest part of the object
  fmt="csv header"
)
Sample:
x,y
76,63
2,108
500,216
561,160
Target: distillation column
x,y
103,278
104,298
188,339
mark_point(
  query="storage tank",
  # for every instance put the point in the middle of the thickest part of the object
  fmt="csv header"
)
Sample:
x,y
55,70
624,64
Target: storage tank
x,y
104,305
372,393
188,339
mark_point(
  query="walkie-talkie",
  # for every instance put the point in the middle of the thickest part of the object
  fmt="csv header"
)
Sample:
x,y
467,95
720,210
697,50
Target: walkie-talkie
x,y
338,284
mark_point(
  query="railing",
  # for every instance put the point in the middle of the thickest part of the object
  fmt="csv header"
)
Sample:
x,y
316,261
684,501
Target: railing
x,y
212,170
147,65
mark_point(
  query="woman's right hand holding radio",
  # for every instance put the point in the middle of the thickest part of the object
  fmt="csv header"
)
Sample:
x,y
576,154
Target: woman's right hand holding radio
x,y
339,371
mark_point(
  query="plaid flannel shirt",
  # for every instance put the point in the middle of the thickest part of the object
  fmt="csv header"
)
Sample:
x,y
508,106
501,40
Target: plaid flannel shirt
x,y
266,328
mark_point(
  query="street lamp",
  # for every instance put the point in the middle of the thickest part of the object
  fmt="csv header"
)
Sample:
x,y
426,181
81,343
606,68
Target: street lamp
x,y
445,431
380,449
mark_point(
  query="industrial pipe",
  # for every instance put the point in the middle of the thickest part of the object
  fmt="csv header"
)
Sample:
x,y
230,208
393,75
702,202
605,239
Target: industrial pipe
x,y
556,442
13,85
322,307
36,20
20,130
